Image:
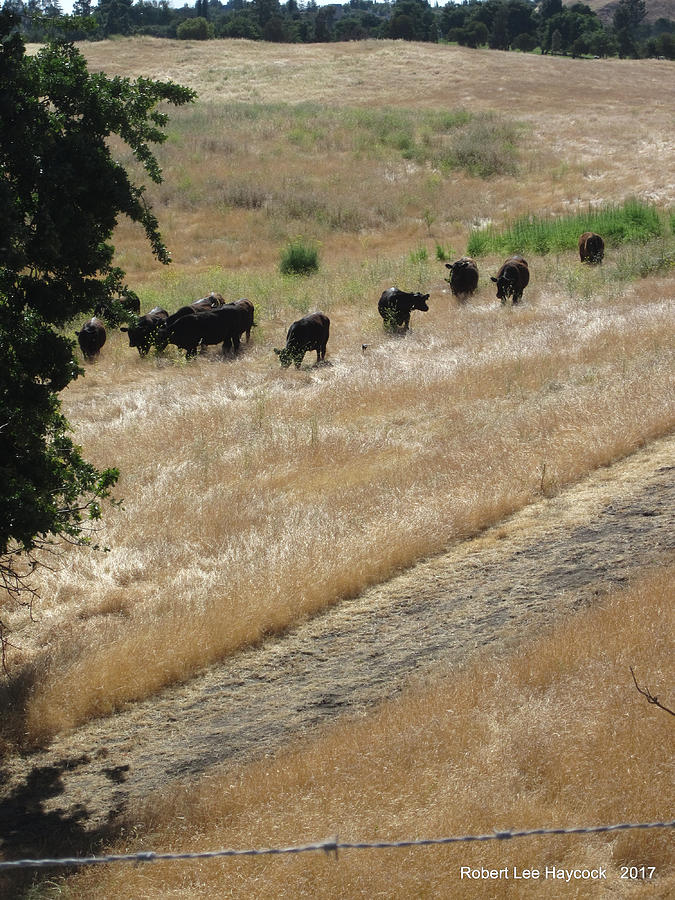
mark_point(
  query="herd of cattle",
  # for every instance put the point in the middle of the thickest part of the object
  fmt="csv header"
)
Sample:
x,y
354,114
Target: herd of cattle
x,y
211,320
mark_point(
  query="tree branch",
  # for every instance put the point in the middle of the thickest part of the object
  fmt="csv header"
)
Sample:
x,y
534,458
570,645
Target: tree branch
x,y
650,697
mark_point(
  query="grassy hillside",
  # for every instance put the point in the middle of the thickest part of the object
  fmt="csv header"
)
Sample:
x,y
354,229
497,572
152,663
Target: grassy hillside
x,y
246,169
215,456
238,477
656,9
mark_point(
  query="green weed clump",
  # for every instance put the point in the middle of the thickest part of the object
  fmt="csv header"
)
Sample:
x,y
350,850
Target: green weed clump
x,y
631,222
299,257
443,254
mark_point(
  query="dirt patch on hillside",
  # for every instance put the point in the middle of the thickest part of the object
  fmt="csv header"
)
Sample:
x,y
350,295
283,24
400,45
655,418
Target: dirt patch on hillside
x,y
544,562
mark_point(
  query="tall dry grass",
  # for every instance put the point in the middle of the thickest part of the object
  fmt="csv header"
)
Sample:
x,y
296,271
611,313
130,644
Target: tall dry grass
x,y
254,496
274,147
552,734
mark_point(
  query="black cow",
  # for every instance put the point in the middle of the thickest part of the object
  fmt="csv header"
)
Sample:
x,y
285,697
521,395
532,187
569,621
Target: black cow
x,y
247,311
463,277
211,301
512,279
591,247
204,304
91,338
142,334
213,326
395,306
309,333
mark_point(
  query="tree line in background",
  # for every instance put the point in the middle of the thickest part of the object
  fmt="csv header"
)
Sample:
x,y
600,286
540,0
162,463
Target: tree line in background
x,y
547,26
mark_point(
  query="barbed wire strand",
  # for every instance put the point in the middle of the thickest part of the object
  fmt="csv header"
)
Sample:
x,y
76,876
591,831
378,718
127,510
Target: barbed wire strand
x,y
330,845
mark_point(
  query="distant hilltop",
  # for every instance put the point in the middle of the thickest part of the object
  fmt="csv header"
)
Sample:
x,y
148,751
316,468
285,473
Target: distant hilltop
x,y
656,9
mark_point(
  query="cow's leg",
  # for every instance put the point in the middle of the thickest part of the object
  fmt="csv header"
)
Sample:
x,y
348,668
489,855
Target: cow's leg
x,y
236,343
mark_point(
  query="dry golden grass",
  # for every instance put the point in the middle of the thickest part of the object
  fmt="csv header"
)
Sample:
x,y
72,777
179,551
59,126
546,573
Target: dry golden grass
x,y
254,496
552,734
595,130
237,477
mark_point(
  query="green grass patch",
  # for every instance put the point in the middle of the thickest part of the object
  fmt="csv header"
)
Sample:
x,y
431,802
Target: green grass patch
x,y
419,255
299,257
630,222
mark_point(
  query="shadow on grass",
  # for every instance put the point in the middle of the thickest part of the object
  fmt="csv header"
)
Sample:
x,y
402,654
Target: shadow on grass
x,y
30,831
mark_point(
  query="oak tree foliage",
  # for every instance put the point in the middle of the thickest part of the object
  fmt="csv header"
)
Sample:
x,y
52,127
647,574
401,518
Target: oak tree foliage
x,y
61,194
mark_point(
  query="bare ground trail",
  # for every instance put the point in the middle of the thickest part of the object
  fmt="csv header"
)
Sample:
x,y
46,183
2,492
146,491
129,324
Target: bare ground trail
x,y
517,577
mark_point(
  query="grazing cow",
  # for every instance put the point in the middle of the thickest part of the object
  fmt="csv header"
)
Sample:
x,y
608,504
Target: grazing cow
x,y
309,333
246,310
512,279
142,334
395,306
463,277
225,324
91,338
213,301
591,247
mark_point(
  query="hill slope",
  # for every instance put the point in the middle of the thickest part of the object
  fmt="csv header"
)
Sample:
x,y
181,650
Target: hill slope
x,y
656,9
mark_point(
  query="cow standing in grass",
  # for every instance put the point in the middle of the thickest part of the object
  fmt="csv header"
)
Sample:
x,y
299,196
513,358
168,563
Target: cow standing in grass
x,y
395,307
212,326
309,333
142,333
213,301
463,277
591,247
91,338
512,279
247,312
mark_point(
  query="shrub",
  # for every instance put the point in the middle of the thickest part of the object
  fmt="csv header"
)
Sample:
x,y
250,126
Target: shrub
x,y
299,257
485,146
194,30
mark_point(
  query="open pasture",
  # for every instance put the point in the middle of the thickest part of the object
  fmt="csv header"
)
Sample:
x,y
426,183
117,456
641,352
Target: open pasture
x,y
349,143
255,497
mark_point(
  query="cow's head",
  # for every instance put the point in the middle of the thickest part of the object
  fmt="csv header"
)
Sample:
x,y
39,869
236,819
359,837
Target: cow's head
x,y
419,301
505,286
286,357
290,355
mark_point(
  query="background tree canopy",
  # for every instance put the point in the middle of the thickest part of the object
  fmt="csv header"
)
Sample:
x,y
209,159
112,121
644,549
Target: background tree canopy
x,y
61,193
523,25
